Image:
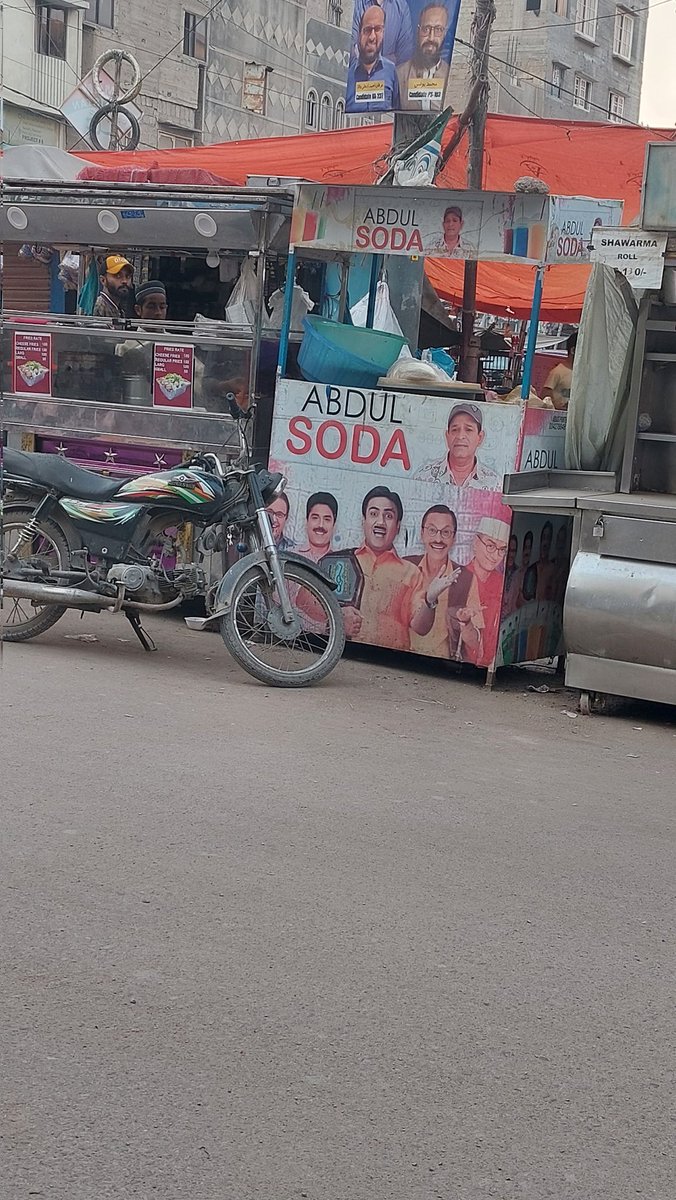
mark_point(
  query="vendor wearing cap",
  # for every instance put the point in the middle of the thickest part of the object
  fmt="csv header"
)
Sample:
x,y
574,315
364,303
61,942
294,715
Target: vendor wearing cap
x,y
474,597
151,301
460,466
116,296
137,356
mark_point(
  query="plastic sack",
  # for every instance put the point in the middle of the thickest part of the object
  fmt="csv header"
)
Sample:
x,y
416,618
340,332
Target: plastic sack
x,y
301,305
415,373
241,307
384,316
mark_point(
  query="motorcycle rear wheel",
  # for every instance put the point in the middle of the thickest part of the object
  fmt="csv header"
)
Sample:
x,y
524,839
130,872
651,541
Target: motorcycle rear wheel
x,y
253,631
49,543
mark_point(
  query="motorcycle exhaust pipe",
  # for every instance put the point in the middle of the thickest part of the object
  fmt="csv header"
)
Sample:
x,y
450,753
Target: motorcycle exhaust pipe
x,y
45,593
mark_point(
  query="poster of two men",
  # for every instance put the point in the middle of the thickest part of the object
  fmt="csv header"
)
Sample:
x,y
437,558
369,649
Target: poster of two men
x,y
400,55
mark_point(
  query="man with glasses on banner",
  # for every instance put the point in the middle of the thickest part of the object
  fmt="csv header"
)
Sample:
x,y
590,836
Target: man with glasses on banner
x,y
422,80
474,597
372,77
398,43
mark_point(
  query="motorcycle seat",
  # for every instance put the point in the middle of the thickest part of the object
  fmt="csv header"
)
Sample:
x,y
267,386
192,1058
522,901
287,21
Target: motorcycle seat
x,y
58,474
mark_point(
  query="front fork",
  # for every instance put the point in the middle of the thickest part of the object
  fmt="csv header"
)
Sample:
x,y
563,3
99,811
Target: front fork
x,y
268,544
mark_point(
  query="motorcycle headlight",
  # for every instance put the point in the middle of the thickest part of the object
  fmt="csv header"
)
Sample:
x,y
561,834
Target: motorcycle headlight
x,y
271,484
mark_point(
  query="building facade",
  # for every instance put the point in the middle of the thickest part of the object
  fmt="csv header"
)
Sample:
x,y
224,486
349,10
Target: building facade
x,y
245,70
578,60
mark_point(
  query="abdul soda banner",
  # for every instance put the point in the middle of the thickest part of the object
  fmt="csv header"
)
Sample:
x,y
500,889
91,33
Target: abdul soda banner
x,y
400,55
399,498
496,226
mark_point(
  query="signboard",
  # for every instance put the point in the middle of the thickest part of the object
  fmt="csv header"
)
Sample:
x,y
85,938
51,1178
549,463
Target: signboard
x,y
536,573
400,55
544,440
658,210
173,372
498,226
637,254
83,103
32,364
392,492
572,221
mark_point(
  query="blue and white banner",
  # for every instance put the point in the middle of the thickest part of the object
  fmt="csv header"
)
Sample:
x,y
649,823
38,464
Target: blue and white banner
x,y
400,56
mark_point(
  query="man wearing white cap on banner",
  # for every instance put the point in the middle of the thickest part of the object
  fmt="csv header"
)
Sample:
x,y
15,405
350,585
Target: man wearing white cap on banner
x,y
460,466
474,597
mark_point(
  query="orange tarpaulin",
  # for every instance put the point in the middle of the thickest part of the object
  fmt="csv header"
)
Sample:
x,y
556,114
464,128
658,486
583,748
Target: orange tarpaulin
x,y
576,158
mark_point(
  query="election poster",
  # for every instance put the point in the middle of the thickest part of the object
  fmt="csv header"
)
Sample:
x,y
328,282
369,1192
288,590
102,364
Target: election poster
x,y
398,498
400,55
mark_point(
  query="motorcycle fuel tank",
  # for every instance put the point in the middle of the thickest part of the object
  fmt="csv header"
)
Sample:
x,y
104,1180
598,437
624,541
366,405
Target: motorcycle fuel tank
x,y
181,487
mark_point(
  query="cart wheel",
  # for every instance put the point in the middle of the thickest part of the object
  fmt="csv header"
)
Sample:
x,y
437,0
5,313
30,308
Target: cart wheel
x,y
586,704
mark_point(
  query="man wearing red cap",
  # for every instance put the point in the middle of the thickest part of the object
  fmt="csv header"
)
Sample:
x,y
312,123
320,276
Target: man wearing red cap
x,y
474,597
116,296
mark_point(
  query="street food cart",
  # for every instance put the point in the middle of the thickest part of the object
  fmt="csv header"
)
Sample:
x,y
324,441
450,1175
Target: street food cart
x,y
350,439
123,397
620,600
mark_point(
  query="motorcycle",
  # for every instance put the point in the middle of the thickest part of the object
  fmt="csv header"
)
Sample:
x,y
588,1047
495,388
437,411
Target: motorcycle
x,y
74,539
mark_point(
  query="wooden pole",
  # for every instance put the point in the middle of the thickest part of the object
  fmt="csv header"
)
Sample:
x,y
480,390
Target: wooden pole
x,y
480,36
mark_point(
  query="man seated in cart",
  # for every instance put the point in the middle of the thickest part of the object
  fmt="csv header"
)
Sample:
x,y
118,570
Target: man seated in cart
x,y
116,294
137,356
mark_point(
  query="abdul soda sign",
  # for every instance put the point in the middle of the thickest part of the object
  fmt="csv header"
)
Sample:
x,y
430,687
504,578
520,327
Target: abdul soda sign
x,y
392,492
498,226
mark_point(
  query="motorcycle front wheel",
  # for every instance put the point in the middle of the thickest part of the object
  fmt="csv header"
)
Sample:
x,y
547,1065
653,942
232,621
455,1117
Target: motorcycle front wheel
x,y
255,633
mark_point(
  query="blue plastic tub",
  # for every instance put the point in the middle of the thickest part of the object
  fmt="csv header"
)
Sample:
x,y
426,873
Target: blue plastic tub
x,y
346,354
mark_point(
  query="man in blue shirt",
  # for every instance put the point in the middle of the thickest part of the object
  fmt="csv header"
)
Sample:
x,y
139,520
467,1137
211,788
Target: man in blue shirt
x,y
372,80
398,41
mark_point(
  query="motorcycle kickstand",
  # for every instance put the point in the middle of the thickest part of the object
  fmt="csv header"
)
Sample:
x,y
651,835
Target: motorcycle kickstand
x,y
142,635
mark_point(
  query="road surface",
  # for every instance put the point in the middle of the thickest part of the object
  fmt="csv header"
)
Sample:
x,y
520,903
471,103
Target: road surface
x,y
394,938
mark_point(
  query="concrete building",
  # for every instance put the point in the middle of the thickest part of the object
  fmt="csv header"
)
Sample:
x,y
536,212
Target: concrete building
x,y
574,59
248,70
276,67
47,50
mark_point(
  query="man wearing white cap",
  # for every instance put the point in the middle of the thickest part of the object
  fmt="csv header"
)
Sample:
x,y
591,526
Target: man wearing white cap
x,y
460,466
474,597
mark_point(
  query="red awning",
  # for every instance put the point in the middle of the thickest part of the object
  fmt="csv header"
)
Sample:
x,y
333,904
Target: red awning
x,y
576,158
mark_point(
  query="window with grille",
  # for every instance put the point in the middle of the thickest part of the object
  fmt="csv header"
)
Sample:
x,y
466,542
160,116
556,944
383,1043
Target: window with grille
x,y
582,93
101,12
326,112
623,39
335,12
339,122
556,81
586,18
311,109
51,31
615,107
195,36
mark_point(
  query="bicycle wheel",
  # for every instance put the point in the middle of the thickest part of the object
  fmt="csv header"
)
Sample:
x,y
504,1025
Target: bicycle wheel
x,y
255,634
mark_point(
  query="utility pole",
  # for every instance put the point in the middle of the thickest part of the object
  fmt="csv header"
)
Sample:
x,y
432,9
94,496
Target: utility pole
x,y
480,37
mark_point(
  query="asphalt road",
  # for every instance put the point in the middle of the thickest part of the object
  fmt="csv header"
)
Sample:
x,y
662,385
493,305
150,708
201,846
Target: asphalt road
x,y
390,939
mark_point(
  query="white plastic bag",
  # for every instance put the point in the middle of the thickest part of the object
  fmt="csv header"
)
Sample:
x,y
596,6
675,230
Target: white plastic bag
x,y
301,305
384,316
241,307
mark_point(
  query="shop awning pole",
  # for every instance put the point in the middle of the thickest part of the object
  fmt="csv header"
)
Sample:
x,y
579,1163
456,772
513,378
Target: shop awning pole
x,y
532,333
286,314
373,290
